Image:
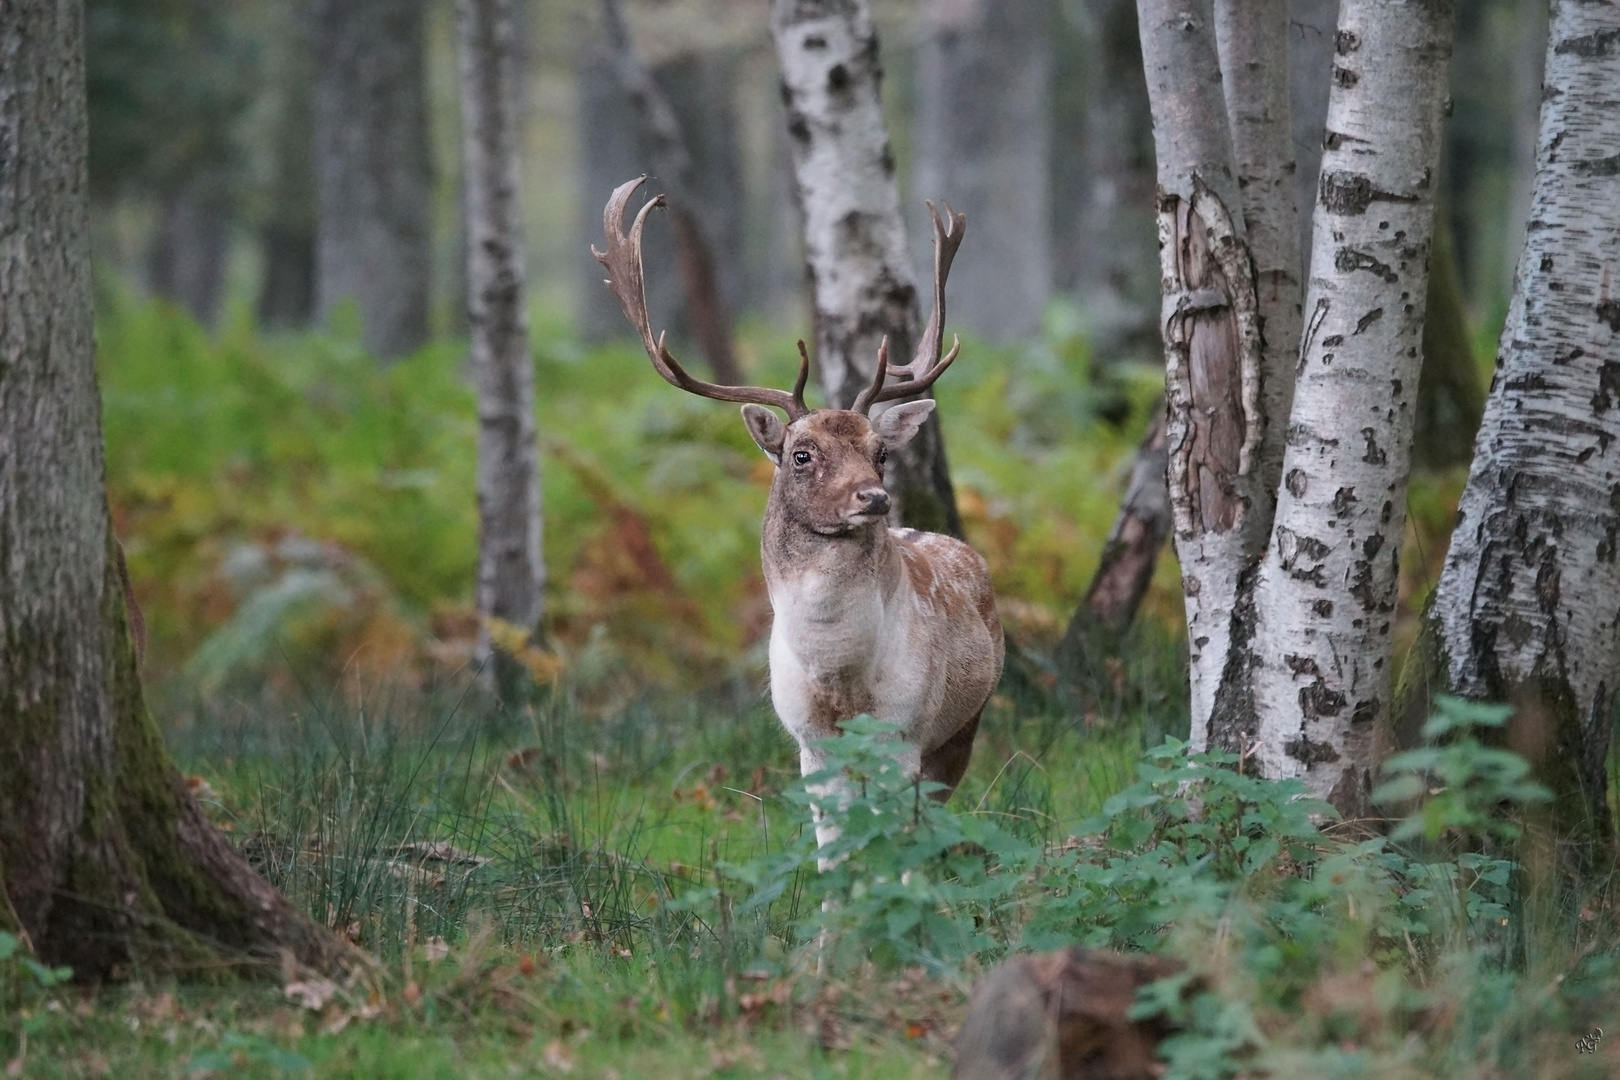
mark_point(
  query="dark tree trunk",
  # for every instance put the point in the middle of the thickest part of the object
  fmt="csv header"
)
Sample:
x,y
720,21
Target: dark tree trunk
x,y
671,162
105,859
187,260
688,145
373,175
287,231
511,576
1451,397
1129,557
1103,183
983,144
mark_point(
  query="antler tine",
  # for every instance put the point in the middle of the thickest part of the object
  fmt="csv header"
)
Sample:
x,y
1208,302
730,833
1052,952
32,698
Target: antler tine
x,y
626,280
864,399
927,365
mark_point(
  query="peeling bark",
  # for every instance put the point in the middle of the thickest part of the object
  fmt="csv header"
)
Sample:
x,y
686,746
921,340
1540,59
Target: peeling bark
x,y
1212,337
855,240
105,859
1526,605
1325,596
511,576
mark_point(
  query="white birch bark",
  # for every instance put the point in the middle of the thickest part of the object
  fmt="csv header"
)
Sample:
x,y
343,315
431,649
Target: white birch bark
x,y
1210,323
1325,598
1526,605
855,238
1252,36
510,572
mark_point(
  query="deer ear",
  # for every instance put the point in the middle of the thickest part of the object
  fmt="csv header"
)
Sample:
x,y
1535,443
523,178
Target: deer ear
x,y
899,423
767,429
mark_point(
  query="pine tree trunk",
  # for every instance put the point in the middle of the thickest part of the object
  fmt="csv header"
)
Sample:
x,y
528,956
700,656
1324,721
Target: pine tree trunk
x,y
510,572
287,232
983,144
373,174
1525,609
855,237
1211,326
105,859
1324,602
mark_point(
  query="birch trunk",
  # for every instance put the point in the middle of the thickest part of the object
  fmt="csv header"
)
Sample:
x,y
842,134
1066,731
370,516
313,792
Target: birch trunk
x,y
105,859
855,238
373,177
1325,597
1211,327
510,572
1252,36
1525,609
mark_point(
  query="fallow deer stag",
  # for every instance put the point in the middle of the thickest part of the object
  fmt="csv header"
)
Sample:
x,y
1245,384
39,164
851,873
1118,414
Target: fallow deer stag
x,y
895,623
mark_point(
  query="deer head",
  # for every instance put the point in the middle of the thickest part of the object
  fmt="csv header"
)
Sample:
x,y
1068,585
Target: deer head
x,y
829,475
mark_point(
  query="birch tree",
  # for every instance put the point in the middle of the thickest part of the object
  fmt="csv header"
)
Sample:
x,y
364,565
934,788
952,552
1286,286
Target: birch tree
x,y
105,858
1325,598
855,239
1525,610
511,574
1210,323
1288,499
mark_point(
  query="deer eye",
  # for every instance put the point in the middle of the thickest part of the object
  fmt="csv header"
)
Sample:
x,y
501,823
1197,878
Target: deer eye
x,y
801,457
882,456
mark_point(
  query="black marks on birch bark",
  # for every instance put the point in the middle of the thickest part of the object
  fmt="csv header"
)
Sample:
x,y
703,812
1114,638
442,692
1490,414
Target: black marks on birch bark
x,y
1608,387
1605,166
1297,482
1608,311
1373,454
1233,725
1367,320
1294,550
1350,194
1348,260
1309,753
1592,46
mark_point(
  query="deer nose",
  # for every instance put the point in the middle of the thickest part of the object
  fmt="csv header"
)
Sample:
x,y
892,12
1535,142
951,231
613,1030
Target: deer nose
x,y
873,500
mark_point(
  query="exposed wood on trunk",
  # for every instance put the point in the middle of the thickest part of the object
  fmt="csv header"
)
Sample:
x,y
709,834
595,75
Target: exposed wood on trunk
x,y
672,164
373,175
855,239
511,575
1525,609
1211,326
1324,602
105,859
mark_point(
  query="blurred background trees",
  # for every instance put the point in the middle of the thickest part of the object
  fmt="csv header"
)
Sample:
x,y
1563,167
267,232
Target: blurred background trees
x,y
289,168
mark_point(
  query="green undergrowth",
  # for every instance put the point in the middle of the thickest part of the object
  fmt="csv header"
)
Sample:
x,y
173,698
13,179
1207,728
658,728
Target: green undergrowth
x,y
545,892
287,502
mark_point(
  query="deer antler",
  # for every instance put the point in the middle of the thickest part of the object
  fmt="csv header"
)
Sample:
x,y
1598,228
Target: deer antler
x,y
627,281
926,366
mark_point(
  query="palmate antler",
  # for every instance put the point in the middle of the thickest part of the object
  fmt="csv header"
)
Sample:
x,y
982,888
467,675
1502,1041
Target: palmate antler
x,y
926,366
627,281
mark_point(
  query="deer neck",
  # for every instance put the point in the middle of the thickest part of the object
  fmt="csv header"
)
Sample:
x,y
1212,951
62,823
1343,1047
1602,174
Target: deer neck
x,y
831,595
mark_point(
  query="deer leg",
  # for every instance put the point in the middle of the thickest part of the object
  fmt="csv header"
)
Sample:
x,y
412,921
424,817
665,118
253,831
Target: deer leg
x,y
946,763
